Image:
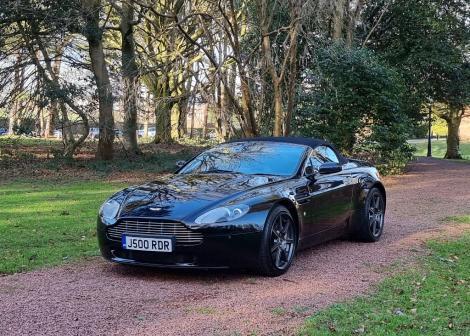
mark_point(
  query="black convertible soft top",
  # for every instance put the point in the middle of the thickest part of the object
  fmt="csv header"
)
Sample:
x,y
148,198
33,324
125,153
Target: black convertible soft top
x,y
310,142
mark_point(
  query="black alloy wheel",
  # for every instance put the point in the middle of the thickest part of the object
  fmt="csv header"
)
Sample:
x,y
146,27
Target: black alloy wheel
x,y
370,225
279,243
376,214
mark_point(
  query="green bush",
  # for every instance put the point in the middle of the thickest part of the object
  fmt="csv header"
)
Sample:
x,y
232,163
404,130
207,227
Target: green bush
x,y
357,102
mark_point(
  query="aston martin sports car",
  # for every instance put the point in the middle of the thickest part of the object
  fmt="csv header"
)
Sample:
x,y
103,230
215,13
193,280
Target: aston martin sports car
x,y
250,203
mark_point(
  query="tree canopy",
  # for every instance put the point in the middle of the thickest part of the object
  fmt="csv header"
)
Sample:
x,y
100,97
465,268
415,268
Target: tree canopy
x,y
359,73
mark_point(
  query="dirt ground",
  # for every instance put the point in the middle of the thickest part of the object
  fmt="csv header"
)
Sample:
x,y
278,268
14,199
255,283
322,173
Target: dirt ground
x,y
94,297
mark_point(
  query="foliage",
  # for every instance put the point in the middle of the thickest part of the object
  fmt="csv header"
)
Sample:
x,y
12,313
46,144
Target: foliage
x,y
356,72
438,127
388,158
432,300
356,101
427,41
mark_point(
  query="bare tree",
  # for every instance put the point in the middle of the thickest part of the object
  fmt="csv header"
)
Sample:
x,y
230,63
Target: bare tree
x,y
279,64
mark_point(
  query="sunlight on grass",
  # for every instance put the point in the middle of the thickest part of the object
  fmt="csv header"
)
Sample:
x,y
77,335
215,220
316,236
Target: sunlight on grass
x,y
44,223
431,300
439,149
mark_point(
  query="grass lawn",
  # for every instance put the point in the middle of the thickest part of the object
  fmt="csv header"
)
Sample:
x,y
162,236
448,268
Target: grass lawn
x,y
45,223
439,149
431,300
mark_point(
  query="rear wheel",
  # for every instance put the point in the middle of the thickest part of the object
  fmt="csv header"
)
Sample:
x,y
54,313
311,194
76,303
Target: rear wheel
x,y
279,243
371,221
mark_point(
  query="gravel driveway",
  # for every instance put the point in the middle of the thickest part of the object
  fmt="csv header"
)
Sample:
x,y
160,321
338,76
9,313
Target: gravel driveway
x,y
97,298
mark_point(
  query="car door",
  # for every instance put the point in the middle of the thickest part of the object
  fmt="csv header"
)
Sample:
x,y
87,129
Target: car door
x,y
329,201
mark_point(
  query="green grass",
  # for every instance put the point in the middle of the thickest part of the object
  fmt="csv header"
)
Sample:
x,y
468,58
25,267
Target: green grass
x,y
44,223
22,140
439,149
431,300
152,163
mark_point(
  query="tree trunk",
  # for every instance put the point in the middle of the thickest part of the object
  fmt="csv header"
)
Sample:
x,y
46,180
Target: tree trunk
x,y
271,68
129,77
15,107
53,111
292,75
163,113
146,120
94,36
163,122
193,108
354,15
248,113
278,110
338,19
12,118
182,122
184,87
453,120
205,114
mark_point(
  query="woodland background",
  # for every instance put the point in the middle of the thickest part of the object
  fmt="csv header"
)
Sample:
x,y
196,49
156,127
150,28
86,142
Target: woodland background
x,y
363,74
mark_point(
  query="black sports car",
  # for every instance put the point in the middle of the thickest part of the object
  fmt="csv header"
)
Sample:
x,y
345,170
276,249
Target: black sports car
x,y
247,203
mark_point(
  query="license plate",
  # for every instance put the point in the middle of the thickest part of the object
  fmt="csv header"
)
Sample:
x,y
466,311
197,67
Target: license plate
x,y
147,244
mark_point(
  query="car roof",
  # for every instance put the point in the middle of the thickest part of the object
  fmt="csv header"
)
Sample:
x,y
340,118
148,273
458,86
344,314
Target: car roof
x,y
309,142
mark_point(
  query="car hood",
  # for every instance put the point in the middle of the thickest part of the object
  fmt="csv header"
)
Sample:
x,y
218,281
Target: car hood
x,y
179,196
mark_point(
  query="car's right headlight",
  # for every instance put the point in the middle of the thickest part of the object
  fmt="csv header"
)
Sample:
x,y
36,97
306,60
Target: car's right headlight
x,y
109,211
222,214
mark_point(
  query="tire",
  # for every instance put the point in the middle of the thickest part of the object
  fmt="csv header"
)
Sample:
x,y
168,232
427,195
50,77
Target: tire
x,y
370,223
278,244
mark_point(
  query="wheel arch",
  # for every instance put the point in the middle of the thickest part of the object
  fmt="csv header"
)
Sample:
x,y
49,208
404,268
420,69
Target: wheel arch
x,y
287,203
381,188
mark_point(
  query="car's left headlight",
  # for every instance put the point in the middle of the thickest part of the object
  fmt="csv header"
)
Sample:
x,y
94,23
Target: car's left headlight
x,y
109,211
222,214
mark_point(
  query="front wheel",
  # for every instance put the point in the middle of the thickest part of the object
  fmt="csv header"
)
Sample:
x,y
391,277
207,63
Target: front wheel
x,y
371,221
279,243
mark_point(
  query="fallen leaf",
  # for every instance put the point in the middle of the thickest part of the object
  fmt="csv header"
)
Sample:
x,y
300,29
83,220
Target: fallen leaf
x,y
398,312
360,330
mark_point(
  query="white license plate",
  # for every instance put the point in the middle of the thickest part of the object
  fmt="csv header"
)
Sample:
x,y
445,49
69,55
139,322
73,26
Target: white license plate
x,y
147,244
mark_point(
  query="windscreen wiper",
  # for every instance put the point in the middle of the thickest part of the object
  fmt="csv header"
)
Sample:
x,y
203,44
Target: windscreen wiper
x,y
221,171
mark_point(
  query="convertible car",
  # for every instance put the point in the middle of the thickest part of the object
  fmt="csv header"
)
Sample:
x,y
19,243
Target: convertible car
x,y
250,203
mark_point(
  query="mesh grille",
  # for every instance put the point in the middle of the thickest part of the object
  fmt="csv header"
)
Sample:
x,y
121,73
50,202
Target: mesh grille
x,y
182,234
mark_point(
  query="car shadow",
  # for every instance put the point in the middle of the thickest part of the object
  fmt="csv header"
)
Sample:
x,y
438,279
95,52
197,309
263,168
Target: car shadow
x,y
176,274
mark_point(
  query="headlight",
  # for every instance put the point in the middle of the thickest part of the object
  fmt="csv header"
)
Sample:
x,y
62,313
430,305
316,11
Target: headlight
x,y
109,210
222,214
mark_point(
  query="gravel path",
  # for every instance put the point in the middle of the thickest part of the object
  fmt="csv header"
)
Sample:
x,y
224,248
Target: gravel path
x,y
97,298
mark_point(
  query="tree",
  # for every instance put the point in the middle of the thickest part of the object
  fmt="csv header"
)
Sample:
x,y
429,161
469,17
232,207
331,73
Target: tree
x,y
129,75
427,41
230,18
37,43
279,65
91,10
353,99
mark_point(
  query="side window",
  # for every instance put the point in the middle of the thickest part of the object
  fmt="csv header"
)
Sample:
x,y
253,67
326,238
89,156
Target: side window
x,y
327,154
314,160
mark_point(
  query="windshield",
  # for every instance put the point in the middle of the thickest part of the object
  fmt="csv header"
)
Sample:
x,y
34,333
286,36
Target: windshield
x,y
251,157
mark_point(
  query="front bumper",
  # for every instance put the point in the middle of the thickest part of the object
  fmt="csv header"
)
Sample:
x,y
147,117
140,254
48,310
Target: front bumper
x,y
217,250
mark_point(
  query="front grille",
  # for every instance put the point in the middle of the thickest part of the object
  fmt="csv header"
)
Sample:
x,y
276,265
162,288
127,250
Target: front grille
x,y
182,234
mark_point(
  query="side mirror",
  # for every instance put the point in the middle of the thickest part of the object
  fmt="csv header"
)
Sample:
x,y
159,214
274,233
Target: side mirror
x,y
330,168
310,172
180,163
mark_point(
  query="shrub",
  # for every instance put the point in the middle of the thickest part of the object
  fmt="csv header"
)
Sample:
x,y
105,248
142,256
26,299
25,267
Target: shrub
x,y
357,102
